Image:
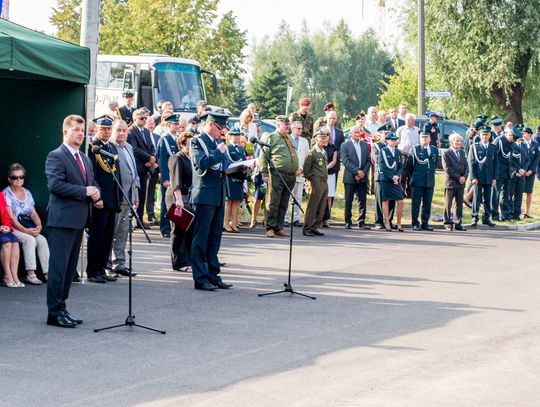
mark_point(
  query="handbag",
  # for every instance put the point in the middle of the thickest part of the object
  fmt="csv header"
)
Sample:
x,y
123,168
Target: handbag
x,y
26,221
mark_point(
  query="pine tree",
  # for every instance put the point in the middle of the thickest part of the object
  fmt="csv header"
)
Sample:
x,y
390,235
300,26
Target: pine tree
x,y
269,91
239,97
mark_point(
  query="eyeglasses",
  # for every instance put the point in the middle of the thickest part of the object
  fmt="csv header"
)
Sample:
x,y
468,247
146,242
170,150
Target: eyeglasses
x,y
142,118
16,177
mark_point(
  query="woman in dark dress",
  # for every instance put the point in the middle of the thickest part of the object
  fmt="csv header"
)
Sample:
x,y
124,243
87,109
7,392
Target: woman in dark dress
x,y
178,194
235,187
390,169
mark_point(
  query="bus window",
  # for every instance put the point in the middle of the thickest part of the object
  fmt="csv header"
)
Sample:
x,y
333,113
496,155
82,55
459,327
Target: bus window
x,y
128,80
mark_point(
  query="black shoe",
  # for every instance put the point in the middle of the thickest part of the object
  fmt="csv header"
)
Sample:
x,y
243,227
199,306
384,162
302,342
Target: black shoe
x,y
461,228
448,228
60,321
427,228
488,223
76,279
124,272
467,204
222,264
308,233
297,224
97,279
204,287
286,224
222,285
317,233
166,235
348,226
473,224
108,278
497,219
362,225
70,318
416,227
393,227
378,226
153,219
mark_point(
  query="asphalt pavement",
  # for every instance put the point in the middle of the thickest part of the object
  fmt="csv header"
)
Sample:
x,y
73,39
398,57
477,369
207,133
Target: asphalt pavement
x,y
400,319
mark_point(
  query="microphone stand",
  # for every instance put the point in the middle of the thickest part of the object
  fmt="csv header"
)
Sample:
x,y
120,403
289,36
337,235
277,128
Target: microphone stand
x,y
288,288
130,320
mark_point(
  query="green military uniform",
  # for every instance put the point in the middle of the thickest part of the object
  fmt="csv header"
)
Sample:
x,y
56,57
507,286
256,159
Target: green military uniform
x,y
315,171
307,123
283,155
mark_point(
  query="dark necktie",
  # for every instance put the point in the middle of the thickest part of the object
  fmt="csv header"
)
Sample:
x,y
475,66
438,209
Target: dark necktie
x,y
80,165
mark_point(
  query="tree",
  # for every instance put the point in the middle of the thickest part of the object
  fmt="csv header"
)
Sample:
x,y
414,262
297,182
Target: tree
x,y
66,18
269,91
239,99
400,87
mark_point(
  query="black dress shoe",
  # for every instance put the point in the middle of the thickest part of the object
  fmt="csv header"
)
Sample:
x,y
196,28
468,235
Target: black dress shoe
x,y
70,317
362,225
222,264
448,228
297,224
488,223
222,285
473,224
108,278
317,233
497,219
166,235
427,227
308,233
348,226
393,227
461,228
60,321
416,227
204,287
98,279
124,272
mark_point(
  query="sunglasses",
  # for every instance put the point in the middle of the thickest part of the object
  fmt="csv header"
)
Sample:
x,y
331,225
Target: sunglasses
x,y
16,177
142,118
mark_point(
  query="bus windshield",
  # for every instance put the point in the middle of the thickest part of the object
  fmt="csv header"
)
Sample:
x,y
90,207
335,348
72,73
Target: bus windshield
x,y
179,84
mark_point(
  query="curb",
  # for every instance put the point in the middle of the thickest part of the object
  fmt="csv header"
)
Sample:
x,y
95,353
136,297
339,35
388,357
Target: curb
x,y
521,228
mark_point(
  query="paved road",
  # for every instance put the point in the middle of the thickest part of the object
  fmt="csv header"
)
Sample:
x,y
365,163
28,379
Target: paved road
x,y
401,319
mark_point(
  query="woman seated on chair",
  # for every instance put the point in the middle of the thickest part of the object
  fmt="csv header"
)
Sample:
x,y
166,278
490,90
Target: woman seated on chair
x,y
26,224
9,251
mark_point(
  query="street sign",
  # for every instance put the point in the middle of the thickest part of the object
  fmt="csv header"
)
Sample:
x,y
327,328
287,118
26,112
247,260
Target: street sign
x,y
442,94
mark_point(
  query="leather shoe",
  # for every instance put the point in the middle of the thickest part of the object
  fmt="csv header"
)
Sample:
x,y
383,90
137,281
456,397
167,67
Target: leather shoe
x,y
70,318
297,224
270,233
461,228
348,226
473,223
362,225
308,233
166,235
448,228
97,279
124,272
108,278
60,321
281,233
222,285
317,233
204,287
416,227
427,227
488,223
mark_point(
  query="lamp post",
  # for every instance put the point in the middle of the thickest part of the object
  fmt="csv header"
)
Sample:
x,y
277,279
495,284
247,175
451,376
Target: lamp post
x,y
421,60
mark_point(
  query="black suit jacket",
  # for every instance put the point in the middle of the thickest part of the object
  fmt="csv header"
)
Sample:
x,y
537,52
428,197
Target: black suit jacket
x,y
143,148
127,114
349,158
454,168
68,207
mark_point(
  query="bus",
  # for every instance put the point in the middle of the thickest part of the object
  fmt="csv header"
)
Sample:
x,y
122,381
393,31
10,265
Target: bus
x,y
151,77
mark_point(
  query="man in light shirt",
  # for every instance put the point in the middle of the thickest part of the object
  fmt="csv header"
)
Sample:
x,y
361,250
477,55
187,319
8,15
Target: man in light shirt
x,y
302,147
409,136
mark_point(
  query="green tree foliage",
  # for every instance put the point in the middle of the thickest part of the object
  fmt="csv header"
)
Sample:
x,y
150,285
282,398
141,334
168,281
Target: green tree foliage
x,y
400,87
179,28
269,91
239,98
329,65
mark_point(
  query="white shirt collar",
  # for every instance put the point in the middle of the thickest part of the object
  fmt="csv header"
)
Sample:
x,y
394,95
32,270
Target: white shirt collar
x,y
71,149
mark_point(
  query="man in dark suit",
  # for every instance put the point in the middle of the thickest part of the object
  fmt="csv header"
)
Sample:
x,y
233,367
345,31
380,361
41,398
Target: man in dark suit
x,y
421,164
356,160
154,176
208,198
72,188
145,155
483,169
456,169
101,232
126,111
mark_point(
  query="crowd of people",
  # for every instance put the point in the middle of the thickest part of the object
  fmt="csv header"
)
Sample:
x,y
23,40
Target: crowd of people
x,y
201,166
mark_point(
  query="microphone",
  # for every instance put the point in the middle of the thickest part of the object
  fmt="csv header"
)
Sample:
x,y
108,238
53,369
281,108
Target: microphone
x,y
99,150
255,140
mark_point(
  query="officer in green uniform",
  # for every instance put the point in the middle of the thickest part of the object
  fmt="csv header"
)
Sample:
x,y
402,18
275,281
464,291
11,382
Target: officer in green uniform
x,y
208,198
284,157
376,147
421,164
316,172
302,115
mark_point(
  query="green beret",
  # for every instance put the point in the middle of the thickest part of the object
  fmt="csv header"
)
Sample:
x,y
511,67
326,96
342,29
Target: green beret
x,y
484,130
391,136
218,118
173,118
282,118
527,130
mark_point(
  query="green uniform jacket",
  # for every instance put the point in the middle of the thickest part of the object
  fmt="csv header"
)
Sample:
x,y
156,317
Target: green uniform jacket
x,y
307,124
315,167
280,154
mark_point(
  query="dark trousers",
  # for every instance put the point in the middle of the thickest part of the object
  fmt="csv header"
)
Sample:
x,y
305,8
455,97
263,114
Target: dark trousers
x,y
151,193
358,189
482,195
379,219
64,246
181,241
100,239
143,177
207,231
421,195
451,195
316,204
164,224
405,179
504,188
495,202
518,185
278,199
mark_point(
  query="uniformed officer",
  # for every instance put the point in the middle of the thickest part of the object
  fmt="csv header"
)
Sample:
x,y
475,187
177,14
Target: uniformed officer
x,y
482,161
502,210
390,170
101,232
284,157
315,171
208,198
304,116
377,145
126,111
421,164
534,159
520,164
166,148
432,127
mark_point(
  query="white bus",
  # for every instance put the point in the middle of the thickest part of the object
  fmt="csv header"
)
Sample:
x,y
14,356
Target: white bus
x,y
151,77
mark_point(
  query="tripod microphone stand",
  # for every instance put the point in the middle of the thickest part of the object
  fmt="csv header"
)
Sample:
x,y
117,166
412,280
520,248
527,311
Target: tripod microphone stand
x,y
130,320
288,286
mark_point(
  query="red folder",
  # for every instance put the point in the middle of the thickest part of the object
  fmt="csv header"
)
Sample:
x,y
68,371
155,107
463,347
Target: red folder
x,y
180,217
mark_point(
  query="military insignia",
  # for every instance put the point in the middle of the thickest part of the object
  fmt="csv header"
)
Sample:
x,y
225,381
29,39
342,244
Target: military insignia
x,y
320,162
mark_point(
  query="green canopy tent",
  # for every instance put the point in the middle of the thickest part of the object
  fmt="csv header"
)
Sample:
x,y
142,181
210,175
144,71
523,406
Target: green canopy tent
x,y
42,80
